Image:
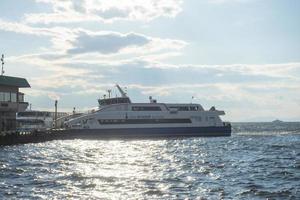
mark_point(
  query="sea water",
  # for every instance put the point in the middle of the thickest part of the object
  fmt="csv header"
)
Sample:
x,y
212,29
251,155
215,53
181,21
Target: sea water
x,y
259,161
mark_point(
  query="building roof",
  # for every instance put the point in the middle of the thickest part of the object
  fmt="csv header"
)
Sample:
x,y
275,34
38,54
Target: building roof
x,y
14,81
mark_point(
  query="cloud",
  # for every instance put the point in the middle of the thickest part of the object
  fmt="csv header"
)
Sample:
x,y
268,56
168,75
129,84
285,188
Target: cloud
x,y
114,42
58,35
25,29
76,41
280,70
66,11
105,43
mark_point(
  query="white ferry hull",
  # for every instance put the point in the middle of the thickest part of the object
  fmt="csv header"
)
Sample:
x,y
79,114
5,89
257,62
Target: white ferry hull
x,y
151,132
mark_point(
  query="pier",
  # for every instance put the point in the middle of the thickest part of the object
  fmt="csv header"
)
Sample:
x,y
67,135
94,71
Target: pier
x,y
13,137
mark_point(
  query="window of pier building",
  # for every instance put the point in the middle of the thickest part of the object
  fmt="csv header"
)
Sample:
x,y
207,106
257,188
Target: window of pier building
x,y
13,97
8,96
21,97
34,114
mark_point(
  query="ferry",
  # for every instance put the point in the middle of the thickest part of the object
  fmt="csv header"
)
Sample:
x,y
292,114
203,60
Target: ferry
x,y
34,120
118,116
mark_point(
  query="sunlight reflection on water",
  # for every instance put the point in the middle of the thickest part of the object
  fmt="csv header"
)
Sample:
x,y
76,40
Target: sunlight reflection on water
x,y
241,166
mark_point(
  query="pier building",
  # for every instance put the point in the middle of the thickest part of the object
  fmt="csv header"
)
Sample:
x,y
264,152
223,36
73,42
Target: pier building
x,y
11,101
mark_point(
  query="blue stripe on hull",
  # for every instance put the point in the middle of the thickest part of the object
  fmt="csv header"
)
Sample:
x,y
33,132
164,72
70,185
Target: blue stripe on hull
x,y
150,132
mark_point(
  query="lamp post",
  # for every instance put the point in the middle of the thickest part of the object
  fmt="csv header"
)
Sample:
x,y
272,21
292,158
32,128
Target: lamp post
x,y
55,115
2,63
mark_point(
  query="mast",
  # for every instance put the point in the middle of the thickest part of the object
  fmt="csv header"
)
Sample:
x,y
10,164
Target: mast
x,y
121,91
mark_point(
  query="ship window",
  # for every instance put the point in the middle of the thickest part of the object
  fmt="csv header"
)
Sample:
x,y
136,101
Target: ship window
x,y
143,121
183,108
146,108
26,114
194,108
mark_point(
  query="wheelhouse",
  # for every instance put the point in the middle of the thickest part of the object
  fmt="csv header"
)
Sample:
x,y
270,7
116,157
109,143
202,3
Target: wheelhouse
x,y
110,101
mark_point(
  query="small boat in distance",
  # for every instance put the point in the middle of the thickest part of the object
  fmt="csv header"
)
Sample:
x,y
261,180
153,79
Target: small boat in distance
x,y
277,121
118,116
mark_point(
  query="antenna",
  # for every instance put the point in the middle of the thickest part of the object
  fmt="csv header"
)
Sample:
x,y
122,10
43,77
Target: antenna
x,y
2,63
192,99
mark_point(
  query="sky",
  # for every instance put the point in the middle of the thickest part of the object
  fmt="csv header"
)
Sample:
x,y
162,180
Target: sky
x,y
241,56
